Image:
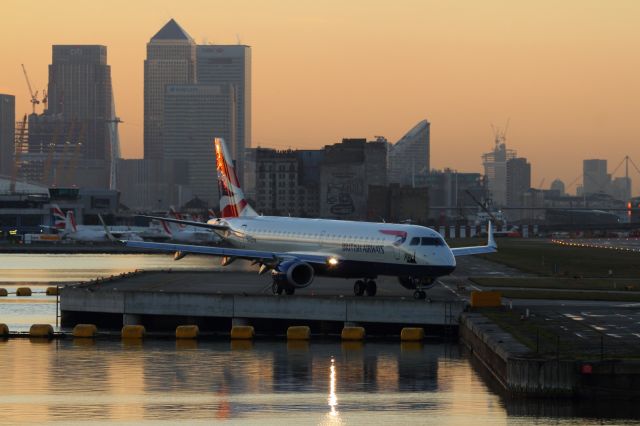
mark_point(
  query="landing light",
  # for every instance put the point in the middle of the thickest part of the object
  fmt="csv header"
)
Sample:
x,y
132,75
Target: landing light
x,y
332,261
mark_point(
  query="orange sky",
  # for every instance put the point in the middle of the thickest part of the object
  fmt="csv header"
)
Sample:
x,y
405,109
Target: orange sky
x,y
566,73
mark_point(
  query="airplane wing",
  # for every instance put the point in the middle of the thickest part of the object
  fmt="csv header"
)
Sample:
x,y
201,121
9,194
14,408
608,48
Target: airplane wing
x,y
211,226
491,246
257,255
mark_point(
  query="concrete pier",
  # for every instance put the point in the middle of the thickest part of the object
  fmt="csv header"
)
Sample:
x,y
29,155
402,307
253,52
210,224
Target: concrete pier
x,y
215,301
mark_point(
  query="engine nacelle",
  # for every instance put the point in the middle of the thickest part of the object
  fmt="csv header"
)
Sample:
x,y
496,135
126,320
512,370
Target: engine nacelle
x,y
294,273
412,283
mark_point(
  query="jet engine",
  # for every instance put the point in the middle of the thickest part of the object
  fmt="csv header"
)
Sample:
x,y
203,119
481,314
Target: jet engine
x,y
293,273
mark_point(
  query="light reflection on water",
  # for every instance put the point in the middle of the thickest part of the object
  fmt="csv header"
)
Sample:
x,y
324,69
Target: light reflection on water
x,y
39,268
268,382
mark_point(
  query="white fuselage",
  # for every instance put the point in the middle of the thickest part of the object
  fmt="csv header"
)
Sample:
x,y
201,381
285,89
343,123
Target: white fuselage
x,y
375,243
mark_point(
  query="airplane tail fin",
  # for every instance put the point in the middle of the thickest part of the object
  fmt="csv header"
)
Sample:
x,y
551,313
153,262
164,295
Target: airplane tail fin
x,y
174,214
58,216
70,225
232,200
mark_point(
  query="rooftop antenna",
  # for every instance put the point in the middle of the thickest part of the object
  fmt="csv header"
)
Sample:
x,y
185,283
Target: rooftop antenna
x,y
238,39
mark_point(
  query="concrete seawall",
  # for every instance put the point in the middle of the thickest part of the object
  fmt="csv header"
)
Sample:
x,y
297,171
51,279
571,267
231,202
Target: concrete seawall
x,y
161,301
521,373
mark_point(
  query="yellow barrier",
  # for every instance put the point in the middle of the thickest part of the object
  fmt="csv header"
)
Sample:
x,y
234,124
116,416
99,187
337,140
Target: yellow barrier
x,y
486,299
412,334
41,330
298,333
353,333
242,332
133,331
52,291
23,291
3,292
85,330
187,332
4,330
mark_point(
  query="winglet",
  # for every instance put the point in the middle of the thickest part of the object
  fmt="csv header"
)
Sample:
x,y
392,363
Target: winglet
x,y
106,230
491,242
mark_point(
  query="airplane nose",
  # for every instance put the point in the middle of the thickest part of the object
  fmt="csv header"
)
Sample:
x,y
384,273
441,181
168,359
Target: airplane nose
x,y
450,259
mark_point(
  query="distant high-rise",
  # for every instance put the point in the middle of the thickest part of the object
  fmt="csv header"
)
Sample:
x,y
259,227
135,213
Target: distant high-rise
x,y
348,169
495,170
230,64
410,157
558,185
518,180
7,133
192,114
594,177
74,130
171,59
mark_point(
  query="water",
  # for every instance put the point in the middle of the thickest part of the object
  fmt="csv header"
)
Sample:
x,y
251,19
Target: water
x,y
269,382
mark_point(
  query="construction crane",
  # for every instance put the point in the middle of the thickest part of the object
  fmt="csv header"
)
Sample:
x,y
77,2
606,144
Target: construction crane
x,y
541,183
45,98
34,96
16,157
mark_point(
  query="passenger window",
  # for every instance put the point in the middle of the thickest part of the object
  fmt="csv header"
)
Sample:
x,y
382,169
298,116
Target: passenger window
x,y
415,241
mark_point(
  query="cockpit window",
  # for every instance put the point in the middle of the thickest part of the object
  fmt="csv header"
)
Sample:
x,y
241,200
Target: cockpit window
x,y
431,241
415,241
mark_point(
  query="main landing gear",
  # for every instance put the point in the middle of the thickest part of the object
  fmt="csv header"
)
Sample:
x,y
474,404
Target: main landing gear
x,y
367,286
278,289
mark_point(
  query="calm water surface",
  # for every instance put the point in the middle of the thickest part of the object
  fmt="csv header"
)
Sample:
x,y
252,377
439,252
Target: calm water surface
x,y
163,382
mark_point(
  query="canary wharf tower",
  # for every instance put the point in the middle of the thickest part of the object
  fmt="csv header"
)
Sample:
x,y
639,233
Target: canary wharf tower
x,y
171,59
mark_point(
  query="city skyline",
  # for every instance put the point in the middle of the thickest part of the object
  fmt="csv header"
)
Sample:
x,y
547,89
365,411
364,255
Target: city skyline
x,y
564,74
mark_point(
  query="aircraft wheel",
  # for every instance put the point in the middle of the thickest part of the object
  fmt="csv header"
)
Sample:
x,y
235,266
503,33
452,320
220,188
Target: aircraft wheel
x,y
371,288
289,290
419,295
358,288
276,288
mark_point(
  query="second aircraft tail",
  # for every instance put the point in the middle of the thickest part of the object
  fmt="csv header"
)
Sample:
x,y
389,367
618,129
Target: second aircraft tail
x,y
232,200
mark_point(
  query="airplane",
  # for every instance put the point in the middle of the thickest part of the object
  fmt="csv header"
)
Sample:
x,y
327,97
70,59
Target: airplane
x,y
295,250
187,233
71,231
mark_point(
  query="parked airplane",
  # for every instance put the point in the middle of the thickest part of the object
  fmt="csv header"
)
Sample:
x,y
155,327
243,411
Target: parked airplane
x,y
71,231
297,249
187,233
97,232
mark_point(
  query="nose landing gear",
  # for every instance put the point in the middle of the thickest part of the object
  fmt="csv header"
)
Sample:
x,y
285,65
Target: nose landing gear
x,y
367,286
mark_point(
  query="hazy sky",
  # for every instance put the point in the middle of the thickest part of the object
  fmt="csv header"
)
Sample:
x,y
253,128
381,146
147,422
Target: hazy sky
x,y
566,73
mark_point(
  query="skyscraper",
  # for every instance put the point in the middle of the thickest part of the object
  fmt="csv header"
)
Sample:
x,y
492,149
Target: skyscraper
x,y
409,157
74,130
192,114
518,180
230,64
495,170
594,177
7,133
171,56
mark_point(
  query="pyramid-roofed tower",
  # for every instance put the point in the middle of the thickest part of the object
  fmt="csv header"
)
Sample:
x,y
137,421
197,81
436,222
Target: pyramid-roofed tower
x,y
172,31
171,59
